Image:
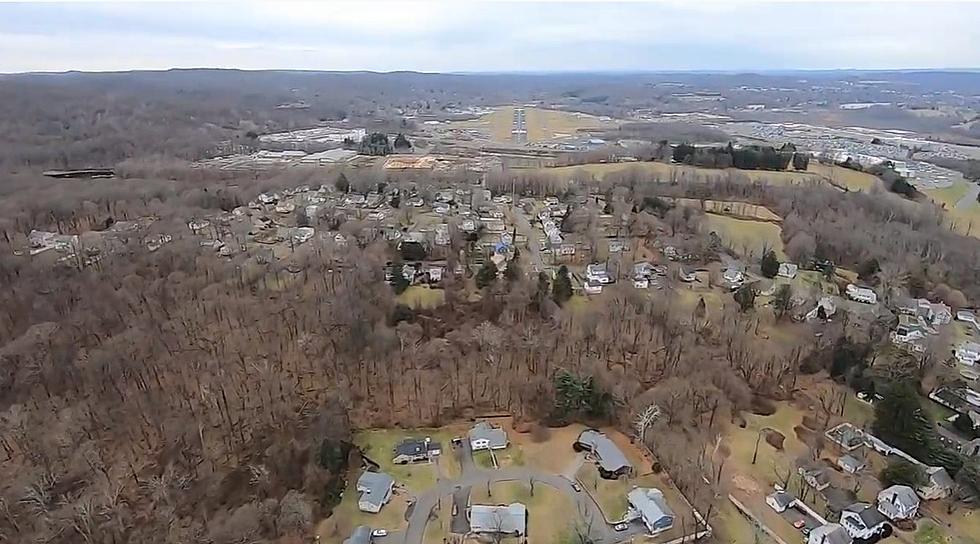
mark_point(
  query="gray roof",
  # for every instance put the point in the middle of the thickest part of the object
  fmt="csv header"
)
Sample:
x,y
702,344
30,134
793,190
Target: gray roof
x,y
495,435
360,535
609,456
374,487
783,499
851,462
869,515
939,477
832,533
415,446
510,519
899,494
650,503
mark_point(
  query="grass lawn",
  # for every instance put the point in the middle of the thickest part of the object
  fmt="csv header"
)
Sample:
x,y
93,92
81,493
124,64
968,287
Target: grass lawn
x,y
949,196
667,172
553,454
419,297
929,533
512,456
544,124
346,515
731,208
732,527
550,512
378,445
844,177
748,238
966,220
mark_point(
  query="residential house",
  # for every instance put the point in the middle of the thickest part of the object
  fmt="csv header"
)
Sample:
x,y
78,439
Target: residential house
x,y
415,450
967,353
592,287
861,520
734,278
939,484
787,270
780,501
825,309
617,246
484,436
302,234
360,535
861,294
850,464
608,457
508,519
831,533
597,273
968,317
641,283
375,489
815,476
687,276
898,502
649,503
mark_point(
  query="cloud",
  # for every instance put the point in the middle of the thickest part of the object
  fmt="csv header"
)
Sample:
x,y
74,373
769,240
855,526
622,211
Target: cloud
x,y
489,36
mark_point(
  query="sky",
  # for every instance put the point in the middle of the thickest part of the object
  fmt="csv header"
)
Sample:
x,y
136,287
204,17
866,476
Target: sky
x,y
475,36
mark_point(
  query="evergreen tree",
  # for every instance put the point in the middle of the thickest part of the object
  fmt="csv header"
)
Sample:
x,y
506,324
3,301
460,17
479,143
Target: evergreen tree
x,y
770,264
562,289
401,142
487,275
342,184
901,422
901,472
398,281
513,271
745,297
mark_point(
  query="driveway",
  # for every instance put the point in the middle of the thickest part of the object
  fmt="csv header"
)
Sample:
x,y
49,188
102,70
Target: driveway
x,y
459,524
588,511
464,454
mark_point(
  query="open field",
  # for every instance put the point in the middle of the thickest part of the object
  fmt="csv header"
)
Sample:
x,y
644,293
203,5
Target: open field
x,y
346,515
542,124
553,454
738,210
549,511
732,527
421,297
747,238
378,445
852,180
677,172
949,196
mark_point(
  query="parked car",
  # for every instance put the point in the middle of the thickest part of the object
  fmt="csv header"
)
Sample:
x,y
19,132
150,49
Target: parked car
x,y
379,533
576,487
620,527
799,524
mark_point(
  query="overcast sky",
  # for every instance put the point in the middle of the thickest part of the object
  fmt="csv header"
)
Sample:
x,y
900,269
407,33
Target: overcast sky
x,y
467,35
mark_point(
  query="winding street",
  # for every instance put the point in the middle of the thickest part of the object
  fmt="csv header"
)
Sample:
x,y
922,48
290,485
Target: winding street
x,y
587,509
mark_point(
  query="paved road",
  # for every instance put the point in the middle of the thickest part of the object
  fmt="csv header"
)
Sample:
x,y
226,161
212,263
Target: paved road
x,y
587,510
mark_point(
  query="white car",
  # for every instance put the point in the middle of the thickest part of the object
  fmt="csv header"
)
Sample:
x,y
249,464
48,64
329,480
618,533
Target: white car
x,y
620,527
379,533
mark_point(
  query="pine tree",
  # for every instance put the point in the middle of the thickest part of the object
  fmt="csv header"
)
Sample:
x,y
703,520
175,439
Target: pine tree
x,y
901,422
562,289
487,275
770,264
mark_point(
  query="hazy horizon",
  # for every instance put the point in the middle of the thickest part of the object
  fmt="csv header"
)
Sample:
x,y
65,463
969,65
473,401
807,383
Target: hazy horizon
x,y
491,37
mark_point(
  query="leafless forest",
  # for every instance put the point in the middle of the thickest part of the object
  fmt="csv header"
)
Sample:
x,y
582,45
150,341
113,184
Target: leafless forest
x,y
177,396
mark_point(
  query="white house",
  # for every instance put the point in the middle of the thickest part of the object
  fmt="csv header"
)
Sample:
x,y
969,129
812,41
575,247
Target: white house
x,y
898,502
939,484
967,353
652,508
850,464
375,489
862,520
861,294
597,273
484,436
787,270
780,501
831,533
